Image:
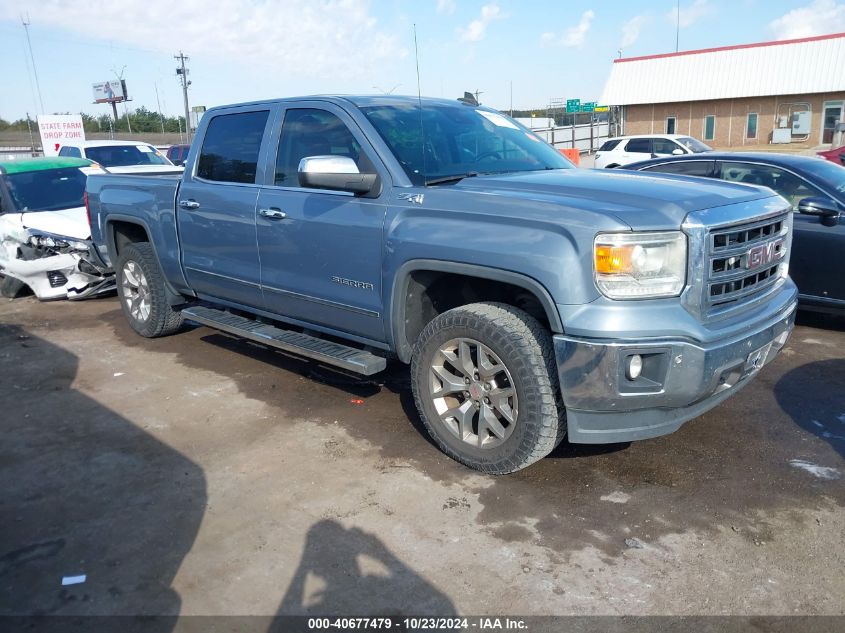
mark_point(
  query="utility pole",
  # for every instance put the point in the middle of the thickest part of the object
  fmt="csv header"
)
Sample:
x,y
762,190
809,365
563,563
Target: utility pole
x,y
26,24
511,98
677,24
477,94
183,74
158,103
125,107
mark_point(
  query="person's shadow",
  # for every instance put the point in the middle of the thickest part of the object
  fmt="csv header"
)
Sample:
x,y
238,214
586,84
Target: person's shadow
x,y
85,492
349,572
813,395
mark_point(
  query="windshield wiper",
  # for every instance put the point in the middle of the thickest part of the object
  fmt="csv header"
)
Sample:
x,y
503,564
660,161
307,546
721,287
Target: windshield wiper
x,y
453,178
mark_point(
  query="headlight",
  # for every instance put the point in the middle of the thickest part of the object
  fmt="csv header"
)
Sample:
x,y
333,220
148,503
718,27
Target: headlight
x,y
640,265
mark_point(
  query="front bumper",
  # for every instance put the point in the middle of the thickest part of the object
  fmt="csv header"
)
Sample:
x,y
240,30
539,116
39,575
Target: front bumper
x,y
680,381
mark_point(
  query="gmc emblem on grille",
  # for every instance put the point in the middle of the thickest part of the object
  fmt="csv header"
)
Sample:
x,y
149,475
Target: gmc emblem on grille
x,y
764,254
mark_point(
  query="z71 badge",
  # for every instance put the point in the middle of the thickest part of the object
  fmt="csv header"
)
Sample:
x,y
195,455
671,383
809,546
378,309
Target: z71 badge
x,y
362,285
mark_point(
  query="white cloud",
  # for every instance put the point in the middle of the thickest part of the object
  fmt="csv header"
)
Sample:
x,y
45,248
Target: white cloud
x,y
477,29
817,18
446,6
690,13
310,38
631,30
574,36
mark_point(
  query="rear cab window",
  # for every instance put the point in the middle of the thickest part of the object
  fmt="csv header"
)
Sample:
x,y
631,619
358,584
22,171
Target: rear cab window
x,y
231,147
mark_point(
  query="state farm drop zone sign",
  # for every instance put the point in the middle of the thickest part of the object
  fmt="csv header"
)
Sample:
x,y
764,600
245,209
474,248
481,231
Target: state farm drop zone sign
x,y
58,129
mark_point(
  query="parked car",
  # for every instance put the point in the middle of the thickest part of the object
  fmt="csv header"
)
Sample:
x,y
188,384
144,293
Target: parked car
x,y
623,150
534,301
45,240
834,155
122,157
178,154
815,189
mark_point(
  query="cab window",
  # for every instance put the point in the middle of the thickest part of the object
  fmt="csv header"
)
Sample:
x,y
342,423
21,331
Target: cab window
x,y
70,151
313,132
231,145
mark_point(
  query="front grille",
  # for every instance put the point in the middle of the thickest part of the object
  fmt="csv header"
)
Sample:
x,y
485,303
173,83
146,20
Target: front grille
x,y
57,278
743,261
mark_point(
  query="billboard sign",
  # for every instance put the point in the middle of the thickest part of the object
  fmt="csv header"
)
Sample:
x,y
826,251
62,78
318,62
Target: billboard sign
x,y
58,129
109,91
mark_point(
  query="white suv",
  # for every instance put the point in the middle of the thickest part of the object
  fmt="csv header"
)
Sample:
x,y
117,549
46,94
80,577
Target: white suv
x,y
122,157
624,150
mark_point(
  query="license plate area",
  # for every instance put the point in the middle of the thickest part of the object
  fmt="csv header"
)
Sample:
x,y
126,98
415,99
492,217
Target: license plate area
x,y
756,359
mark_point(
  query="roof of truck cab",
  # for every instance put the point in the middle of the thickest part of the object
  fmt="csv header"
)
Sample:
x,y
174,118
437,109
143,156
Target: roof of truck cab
x,y
23,165
356,100
103,143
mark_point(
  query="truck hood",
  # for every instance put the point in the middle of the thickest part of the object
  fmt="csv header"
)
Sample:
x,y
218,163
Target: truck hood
x,y
71,223
642,201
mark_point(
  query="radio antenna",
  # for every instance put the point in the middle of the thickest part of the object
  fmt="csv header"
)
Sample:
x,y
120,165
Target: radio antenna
x,y
419,103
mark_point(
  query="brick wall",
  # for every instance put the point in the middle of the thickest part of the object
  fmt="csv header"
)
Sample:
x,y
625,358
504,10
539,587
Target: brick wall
x,y
731,118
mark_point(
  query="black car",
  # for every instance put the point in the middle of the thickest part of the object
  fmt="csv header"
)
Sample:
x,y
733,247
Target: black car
x,y
816,190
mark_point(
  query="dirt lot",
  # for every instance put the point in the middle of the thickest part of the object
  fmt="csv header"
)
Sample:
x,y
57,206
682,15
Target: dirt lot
x,y
199,474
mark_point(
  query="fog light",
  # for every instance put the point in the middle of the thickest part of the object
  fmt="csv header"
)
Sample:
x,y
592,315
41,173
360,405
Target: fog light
x,y
635,367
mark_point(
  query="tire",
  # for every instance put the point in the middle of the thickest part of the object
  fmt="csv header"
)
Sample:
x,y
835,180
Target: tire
x,y
10,287
143,298
519,361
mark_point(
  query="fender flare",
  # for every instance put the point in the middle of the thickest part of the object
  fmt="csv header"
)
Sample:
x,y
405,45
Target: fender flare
x,y
403,275
174,297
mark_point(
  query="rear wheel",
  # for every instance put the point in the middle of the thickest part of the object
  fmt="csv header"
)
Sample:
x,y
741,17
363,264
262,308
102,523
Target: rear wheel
x,y
143,297
484,383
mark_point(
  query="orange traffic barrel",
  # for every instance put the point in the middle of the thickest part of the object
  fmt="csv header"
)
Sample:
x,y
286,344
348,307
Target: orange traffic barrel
x,y
572,154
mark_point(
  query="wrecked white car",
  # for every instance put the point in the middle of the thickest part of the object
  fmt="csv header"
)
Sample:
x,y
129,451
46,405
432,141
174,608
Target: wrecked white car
x,y
45,238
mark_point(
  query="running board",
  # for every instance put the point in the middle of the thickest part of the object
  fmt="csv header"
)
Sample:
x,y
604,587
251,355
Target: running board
x,y
349,358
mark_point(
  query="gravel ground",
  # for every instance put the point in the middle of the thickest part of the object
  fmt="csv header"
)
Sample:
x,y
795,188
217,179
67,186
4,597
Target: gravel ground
x,y
200,474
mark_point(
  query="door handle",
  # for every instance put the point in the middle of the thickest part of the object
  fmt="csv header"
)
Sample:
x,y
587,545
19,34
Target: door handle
x,y
189,204
273,213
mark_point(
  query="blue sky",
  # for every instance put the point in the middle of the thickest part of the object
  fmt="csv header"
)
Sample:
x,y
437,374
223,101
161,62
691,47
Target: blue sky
x,y
250,49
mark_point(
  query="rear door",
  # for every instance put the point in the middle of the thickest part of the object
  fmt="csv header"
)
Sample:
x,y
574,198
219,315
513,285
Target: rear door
x,y
321,251
637,149
216,207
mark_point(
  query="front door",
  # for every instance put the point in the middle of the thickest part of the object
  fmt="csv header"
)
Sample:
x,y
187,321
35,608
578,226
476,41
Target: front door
x,y
832,115
215,209
321,251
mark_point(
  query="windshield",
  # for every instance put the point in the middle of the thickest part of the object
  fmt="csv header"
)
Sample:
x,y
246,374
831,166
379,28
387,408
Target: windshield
x,y
459,140
47,189
829,174
694,145
125,155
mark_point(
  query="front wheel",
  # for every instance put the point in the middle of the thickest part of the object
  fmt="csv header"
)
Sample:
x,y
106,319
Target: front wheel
x,y
484,383
143,297
10,287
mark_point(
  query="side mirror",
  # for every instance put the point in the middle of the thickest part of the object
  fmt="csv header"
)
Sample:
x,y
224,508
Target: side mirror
x,y
824,208
677,152
338,173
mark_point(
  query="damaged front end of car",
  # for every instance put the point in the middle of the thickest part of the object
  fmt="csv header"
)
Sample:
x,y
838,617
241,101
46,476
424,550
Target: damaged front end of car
x,y
53,266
